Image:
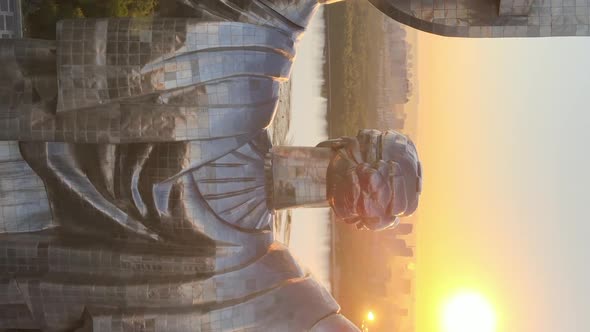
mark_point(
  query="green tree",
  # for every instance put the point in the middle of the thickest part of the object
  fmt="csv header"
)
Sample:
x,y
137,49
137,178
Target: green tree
x,y
78,13
133,8
40,19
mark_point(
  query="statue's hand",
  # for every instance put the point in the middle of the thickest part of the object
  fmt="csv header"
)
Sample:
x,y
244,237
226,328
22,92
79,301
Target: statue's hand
x,y
349,145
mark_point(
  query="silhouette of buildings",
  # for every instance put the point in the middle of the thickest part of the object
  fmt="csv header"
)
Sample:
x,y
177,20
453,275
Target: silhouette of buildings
x,y
393,77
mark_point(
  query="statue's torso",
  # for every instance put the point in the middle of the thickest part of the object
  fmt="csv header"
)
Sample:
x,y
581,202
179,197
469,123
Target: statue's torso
x,y
161,224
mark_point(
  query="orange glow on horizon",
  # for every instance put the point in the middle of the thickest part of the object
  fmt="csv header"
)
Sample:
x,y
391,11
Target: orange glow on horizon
x,y
468,312
459,202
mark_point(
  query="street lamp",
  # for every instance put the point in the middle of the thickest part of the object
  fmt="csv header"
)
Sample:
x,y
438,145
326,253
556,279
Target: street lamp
x,y
370,317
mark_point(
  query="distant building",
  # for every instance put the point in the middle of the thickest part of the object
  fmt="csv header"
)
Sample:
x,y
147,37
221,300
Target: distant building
x,y
393,77
376,283
388,241
392,117
403,229
405,287
399,248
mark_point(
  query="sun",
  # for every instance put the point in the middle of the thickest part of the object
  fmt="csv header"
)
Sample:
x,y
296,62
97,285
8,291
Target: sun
x,y
468,312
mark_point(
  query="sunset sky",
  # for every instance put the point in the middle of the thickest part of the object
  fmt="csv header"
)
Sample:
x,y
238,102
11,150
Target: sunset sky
x,y
503,132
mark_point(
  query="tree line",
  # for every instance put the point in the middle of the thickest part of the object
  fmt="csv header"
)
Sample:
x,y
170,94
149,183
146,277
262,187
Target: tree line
x,y
40,16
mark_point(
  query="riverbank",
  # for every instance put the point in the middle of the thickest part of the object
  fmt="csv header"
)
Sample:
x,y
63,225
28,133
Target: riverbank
x,y
368,76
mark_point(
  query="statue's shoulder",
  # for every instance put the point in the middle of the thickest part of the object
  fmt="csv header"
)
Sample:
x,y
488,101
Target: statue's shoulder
x,y
288,15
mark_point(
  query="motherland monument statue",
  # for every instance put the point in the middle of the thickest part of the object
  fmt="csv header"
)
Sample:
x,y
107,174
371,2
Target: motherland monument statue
x,y
138,183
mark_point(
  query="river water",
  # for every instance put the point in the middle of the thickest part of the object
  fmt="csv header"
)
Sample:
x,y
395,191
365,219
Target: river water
x,y
310,229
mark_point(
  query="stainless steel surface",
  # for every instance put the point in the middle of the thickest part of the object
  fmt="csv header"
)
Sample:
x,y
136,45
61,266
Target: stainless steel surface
x,y
497,19
10,19
24,206
132,175
373,178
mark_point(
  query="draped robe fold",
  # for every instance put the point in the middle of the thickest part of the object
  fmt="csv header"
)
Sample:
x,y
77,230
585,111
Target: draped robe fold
x,y
131,175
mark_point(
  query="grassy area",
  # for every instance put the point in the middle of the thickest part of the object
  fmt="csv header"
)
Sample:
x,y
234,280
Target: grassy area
x,y
353,32
40,16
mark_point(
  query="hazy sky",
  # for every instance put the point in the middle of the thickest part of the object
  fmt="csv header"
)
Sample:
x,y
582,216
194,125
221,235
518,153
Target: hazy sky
x,y
503,133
